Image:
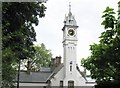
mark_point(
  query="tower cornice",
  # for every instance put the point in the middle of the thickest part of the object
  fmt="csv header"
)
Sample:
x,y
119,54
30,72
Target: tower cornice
x,y
69,26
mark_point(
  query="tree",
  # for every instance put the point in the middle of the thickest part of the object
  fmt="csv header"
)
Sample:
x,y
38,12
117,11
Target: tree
x,y
104,61
41,58
18,35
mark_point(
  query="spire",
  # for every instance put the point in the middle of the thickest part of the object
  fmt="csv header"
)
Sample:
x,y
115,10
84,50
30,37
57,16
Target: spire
x,y
70,20
70,13
69,7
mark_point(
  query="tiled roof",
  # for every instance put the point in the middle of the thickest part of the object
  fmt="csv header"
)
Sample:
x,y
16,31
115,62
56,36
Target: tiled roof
x,y
34,77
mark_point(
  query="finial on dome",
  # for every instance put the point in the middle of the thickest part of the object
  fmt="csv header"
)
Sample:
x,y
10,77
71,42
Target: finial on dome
x,y
69,7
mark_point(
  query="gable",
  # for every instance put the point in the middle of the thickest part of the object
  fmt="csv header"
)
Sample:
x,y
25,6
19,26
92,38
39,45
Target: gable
x,y
56,70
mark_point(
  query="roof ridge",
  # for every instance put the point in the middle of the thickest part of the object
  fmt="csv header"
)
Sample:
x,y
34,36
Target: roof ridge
x,y
81,73
57,69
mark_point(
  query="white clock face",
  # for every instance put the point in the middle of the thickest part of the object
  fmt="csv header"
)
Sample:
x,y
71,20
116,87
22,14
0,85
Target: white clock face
x,y
71,32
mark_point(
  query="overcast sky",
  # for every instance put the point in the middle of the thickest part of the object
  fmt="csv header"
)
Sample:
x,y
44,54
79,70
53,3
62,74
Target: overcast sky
x,y
88,16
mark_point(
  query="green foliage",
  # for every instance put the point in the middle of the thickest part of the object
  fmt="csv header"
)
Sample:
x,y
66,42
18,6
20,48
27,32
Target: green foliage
x,y
104,62
41,58
8,72
18,34
109,84
109,18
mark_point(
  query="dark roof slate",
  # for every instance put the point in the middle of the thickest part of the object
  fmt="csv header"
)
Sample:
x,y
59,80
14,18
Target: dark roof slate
x,y
34,77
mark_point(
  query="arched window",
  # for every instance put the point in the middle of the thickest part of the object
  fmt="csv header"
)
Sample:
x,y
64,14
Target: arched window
x,y
70,65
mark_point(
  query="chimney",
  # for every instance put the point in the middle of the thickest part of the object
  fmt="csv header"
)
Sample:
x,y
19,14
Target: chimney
x,y
52,66
58,60
55,62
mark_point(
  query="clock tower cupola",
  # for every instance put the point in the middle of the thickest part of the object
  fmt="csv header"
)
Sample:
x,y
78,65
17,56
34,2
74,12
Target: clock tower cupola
x,y
70,26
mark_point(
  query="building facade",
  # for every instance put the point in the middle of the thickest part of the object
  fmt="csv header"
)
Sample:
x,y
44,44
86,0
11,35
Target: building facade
x,y
60,74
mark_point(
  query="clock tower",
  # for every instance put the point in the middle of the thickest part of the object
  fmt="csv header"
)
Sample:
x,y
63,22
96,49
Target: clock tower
x,y
69,46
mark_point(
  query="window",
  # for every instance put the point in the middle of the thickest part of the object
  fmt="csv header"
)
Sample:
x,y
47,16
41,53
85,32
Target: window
x,y
70,68
70,65
61,84
70,84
